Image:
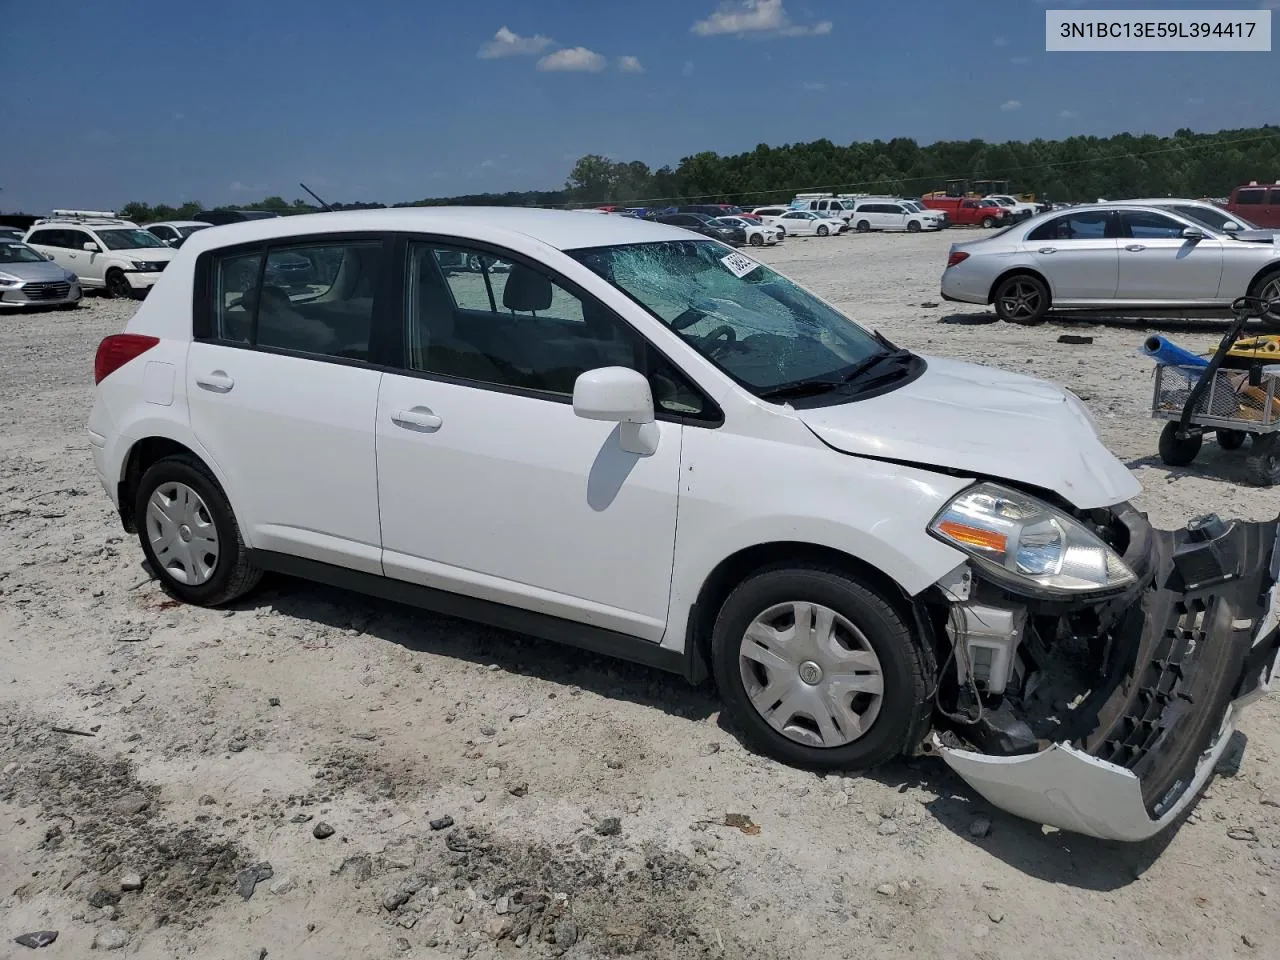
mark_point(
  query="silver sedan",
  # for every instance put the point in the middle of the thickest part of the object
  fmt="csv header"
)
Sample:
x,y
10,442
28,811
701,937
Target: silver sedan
x,y
1111,257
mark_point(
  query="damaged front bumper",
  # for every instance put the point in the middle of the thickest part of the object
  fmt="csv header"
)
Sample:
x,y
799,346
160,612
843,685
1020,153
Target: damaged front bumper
x,y
1203,636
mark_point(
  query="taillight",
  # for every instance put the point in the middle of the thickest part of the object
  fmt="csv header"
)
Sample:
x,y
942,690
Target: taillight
x,y
957,256
117,350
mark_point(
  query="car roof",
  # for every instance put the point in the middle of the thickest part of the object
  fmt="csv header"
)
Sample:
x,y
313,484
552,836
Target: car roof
x,y
178,223
561,229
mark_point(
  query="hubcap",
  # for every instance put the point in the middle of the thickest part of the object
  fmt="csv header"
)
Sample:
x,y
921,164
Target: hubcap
x,y
811,674
182,534
1021,299
1272,292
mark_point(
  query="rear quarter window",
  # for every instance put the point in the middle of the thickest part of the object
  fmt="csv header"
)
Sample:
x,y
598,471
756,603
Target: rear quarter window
x,y
1251,198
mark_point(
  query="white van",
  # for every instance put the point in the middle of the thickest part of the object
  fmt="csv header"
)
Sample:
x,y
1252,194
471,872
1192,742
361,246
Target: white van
x,y
826,206
889,215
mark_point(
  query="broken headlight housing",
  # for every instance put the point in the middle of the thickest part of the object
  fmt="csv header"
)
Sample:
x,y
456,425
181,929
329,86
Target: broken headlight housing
x,y
1029,546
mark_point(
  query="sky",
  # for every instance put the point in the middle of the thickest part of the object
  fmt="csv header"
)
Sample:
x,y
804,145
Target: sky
x,y
390,100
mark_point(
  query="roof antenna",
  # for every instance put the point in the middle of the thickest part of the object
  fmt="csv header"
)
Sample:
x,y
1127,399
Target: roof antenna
x,y
328,209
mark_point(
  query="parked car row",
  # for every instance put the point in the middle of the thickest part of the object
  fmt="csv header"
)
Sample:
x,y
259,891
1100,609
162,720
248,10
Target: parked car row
x,y
1141,256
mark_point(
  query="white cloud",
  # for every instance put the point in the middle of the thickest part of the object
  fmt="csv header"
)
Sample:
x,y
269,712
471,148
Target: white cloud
x,y
508,44
758,17
687,69
630,65
578,59
487,164
1011,105
1000,42
1067,115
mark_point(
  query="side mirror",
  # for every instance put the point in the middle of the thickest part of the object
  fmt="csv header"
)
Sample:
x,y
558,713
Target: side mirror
x,y
1231,226
1193,233
91,246
622,396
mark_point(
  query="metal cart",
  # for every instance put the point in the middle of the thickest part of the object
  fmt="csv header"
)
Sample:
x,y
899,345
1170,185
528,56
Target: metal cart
x,y
1234,404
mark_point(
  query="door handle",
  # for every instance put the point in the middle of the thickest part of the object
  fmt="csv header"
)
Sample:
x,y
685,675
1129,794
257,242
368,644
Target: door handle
x,y
1047,250
1135,247
417,418
217,381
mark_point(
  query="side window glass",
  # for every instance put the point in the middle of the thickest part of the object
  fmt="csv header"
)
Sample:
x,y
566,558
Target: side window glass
x,y
235,282
1079,226
1274,196
44,238
76,239
319,299
1250,197
1152,226
533,334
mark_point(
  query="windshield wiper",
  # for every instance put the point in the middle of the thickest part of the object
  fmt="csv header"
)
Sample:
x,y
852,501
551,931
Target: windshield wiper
x,y
803,388
866,364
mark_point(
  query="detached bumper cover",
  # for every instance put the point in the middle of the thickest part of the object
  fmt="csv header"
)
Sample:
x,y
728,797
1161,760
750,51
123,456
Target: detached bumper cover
x,y
1206,629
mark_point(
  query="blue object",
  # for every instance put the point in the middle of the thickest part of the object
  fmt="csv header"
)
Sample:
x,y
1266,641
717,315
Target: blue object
x,y
1167,353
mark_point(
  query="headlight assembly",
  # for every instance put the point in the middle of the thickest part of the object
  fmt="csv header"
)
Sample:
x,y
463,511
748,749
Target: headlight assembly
x,y
1028,545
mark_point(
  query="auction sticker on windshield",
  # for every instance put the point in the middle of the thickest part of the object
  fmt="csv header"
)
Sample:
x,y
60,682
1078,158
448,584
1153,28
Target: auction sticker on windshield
x,y
739,265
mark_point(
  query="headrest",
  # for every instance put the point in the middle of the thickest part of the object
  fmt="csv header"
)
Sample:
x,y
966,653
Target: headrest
x,y
526,289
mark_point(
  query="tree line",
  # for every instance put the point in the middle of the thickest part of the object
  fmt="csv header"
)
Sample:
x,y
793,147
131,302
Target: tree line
x,y
1186,164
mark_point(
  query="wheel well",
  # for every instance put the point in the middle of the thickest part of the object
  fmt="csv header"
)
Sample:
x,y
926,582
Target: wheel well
x,y
734,569
1018,271
1273,267
141,456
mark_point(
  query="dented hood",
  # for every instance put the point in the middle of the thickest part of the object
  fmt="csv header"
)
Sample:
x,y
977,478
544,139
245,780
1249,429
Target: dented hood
x,y
977,419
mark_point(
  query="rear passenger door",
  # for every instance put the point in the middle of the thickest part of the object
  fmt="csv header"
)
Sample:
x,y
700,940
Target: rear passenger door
x,y
490,486
1078,254
283,390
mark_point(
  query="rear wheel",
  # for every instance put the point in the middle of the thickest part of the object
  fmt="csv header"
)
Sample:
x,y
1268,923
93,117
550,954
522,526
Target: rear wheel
x,y
1230,439
819,670
823,230
913,226
118,285
1021,299
1262,465
190,535
1177,449
988,222
864,226
782,231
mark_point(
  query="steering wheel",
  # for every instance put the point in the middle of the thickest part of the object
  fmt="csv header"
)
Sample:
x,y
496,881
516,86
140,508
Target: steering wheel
x,y
721,338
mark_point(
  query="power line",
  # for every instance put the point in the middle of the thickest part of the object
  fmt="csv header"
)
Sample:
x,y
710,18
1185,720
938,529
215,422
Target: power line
x,y
867,183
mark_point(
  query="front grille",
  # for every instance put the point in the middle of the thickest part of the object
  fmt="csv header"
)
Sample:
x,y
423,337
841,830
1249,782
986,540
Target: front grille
x,y
56,290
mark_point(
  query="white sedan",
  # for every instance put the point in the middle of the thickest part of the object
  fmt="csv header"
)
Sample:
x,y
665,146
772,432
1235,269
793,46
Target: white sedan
x,y
805,223
758,234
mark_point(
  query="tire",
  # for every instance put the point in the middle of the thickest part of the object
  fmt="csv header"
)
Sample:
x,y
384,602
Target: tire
x,y
1230,439
863,226
1178,451
229,575
895,717
913,226
988,223
117,285
823,230
70,306
1021,299
782,232
1268,287
1262,465
757,240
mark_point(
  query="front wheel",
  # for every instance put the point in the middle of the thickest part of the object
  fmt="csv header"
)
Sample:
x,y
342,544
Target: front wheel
x,y
823,230
189,534
863,226
1177,449
1022,299
118,285
818,670
1268,288
757,240
913,226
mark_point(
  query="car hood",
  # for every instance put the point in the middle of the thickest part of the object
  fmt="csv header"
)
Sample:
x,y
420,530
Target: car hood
x,y
1260,235
147,253
984,421
43,271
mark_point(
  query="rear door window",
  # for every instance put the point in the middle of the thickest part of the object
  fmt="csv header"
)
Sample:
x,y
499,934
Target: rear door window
x,y
1252,197
1086,225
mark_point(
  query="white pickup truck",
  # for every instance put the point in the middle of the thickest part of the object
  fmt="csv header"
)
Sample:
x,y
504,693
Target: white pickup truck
x,y
1018,209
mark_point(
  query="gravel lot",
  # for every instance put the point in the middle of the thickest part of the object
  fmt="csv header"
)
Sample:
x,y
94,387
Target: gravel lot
x,y
328,735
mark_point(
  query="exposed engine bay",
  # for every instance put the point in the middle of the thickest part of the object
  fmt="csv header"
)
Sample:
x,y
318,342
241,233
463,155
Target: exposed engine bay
x,y
1142,679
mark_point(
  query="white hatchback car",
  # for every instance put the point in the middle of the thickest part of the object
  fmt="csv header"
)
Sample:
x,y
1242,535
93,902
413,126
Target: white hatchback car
x,y
649,444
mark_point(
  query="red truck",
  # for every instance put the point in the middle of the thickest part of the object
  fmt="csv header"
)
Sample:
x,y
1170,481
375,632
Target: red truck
x,y
968,211
1257,203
